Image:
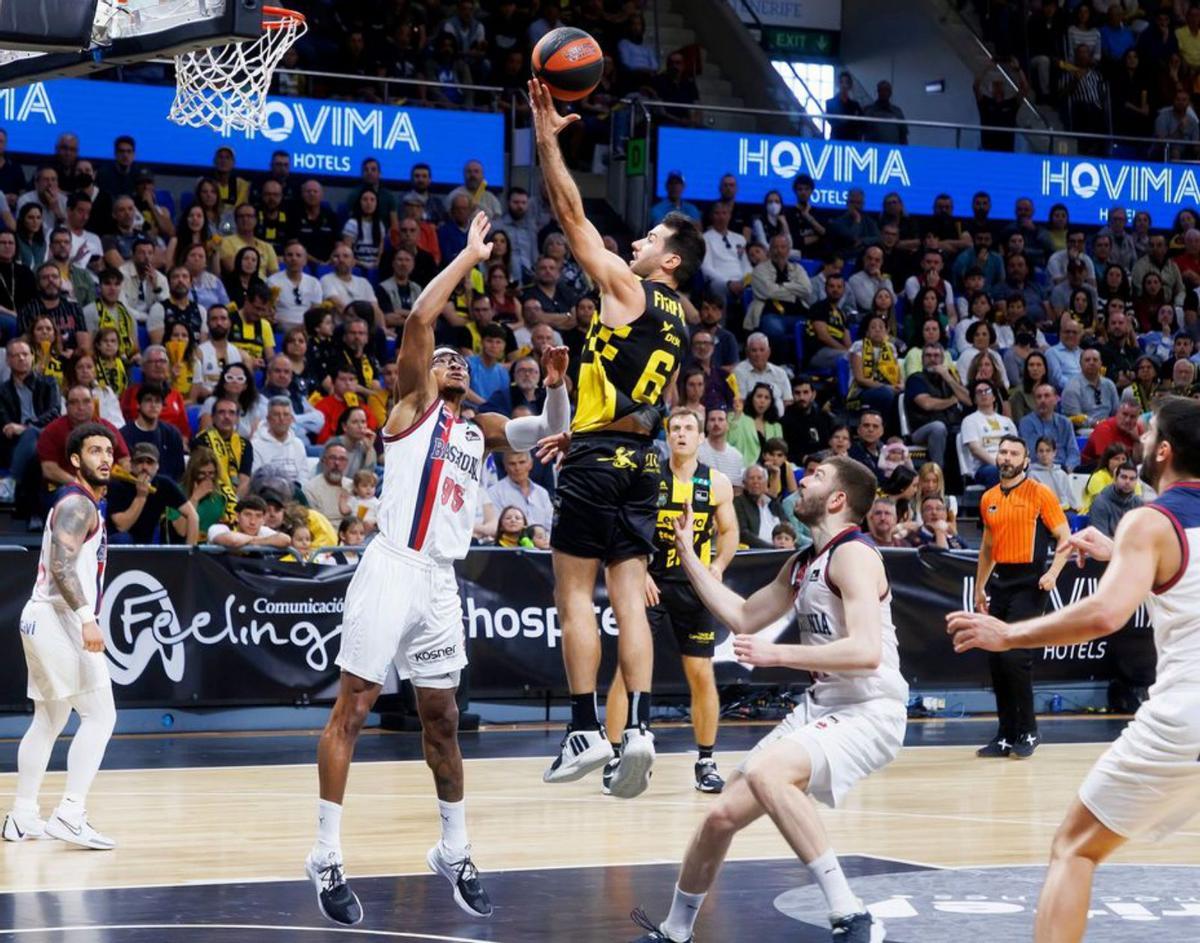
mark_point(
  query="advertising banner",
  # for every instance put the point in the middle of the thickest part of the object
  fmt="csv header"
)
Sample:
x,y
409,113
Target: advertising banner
x,y
328,138
1087,186
213,629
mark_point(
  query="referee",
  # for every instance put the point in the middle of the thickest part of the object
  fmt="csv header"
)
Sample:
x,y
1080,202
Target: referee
x,y
1020,517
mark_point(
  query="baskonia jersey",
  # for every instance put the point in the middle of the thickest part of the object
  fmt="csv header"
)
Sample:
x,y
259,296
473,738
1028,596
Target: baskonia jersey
x,y
625,368
673,494
89,562
431,482
822,618
1173,606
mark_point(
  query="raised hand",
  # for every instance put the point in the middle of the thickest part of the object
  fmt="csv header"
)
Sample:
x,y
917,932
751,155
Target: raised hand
x,y
554,365
477,244
547,122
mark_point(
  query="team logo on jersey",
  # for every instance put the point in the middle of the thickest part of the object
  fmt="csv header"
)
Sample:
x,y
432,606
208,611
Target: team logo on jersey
x,y
622,458
472,435
700,496
662,494
652,467
993,509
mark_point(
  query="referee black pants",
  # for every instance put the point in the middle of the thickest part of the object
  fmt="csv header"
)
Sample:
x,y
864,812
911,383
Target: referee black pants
x,y
1013,595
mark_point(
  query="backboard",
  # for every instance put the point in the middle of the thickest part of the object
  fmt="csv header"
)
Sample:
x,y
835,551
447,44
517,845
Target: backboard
x,y
122,32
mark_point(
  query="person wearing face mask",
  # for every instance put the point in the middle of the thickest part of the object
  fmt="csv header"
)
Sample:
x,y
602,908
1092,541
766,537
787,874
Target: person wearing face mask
x,y
771,222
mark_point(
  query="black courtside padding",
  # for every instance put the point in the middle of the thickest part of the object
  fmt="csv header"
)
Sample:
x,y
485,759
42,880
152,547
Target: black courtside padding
x,y
59,25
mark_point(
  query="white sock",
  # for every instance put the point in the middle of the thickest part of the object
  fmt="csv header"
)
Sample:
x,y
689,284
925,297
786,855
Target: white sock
x,y
329,827
71,807
828,873
454,825
33,755
685,908
25,806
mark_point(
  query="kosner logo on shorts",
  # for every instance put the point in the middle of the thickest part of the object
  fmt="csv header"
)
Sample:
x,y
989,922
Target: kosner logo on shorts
x,y
139,621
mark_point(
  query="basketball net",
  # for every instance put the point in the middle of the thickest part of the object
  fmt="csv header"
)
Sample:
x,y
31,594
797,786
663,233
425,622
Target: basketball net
x,y
225,87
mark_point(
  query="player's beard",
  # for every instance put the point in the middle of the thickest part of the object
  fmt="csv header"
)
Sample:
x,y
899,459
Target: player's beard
x,y
810,507
1152,469
93,477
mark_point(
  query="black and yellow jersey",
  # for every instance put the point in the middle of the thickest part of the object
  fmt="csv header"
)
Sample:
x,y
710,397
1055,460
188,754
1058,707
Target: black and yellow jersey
x,y
623,369
673,494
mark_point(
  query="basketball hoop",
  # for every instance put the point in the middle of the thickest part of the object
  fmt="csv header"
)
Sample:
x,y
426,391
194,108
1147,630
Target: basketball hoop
x,y
225,87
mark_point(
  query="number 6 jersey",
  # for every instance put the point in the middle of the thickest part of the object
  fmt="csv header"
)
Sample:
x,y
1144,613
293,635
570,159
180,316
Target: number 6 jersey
x,y
430,484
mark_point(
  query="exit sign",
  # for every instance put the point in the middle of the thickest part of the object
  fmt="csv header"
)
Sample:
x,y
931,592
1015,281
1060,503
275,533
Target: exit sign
x,y
801,43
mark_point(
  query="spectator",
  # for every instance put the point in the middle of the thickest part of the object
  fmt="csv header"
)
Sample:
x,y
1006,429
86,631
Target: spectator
x,y
981,338
1046,423
1116,500
1188,38
1120,352
935,529
234,454
887,130
864,284
50,302
1105,474
28,404
982,431
342,287
1024,375
364,231
806,427
715,385
881,524
488,371
1044,468
199,485
726,266
637,59
356,436
674,201
725,345
278,453
294,290
207,288
782,293
248,528
1121,429
108,311
757,368
18,285
757,512
420,178
274,222
156,368
874,369
868,447
325,490
516,489
245,218
237,383
146,428
250,330
232,190
1090,397
803,221
783,537
77,282
52,441
827,337
139,510
998,111
755,423
1065,358
316,227
452,234
716,451
215,354
143,285
479,197
80,369
844,103
853,230
1158,260
178,308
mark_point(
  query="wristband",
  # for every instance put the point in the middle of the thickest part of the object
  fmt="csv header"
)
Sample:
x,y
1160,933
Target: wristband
x,y
86,614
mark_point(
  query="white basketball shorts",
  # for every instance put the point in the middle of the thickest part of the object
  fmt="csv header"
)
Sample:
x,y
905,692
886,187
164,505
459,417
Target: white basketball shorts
x,y
405,609
59,666
844,744
1147,784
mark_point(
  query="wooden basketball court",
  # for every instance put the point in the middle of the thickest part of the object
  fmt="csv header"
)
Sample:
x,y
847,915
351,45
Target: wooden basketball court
x,y
214,851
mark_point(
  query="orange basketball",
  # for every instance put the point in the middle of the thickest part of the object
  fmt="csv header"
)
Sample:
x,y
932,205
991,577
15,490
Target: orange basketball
x,y
569,61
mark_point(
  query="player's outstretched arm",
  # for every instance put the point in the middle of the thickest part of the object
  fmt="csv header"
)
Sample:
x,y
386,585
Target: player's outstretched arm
x,y
416,346
1145,553
73,519
525,432
739,615
857,572
609,272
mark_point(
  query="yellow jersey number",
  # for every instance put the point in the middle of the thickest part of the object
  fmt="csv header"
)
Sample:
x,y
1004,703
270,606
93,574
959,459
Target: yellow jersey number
x,y
654,378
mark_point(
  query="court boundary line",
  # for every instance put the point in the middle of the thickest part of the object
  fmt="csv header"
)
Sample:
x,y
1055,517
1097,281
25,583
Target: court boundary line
x,y
287,879
389,934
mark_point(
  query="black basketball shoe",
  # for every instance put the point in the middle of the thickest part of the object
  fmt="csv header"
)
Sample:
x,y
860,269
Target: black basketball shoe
x,y
463,877
337,902
857,928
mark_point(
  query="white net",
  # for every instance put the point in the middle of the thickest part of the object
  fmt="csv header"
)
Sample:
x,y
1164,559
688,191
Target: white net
x,y
225,87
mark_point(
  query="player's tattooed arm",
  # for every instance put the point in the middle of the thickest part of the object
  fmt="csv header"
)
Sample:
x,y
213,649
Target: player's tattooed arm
x,y
72,521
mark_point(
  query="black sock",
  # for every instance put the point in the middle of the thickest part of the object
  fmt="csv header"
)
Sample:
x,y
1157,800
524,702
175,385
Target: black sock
x,y
639,710
616,749
705,752
583,712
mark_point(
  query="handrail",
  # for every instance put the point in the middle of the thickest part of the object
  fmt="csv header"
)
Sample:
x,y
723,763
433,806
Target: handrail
x,y
921,123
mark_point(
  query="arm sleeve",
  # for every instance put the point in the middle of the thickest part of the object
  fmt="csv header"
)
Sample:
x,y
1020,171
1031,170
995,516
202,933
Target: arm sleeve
x,y
523,433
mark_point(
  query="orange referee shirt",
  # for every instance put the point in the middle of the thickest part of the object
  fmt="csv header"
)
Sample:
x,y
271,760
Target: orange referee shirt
x,y
1020,521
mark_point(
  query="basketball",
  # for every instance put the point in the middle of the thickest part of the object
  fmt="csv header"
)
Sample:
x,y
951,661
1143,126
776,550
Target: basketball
x,y
569,61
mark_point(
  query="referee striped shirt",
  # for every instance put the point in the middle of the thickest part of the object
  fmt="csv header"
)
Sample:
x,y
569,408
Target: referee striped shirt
x,y
1020,520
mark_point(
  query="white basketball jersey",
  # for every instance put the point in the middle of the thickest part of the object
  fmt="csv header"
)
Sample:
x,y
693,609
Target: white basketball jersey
x,y
89,562
822,619
1175,606
430,484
